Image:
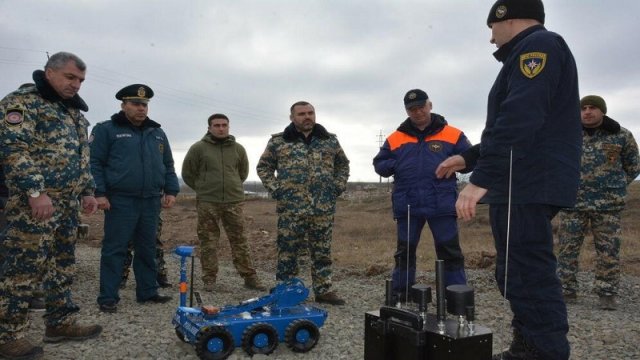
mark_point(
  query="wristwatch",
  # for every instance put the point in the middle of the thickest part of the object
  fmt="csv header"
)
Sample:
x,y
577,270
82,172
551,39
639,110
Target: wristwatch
x,y
34,194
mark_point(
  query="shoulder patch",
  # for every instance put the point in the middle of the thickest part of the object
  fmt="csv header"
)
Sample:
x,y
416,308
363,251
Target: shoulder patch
x,y
532,64
277,134
14,116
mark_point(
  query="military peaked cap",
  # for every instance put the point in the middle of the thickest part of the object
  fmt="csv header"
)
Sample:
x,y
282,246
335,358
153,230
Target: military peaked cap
x,y
136,93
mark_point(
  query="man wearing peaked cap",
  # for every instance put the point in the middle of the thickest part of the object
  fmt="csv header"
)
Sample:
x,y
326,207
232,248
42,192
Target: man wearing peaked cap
x,y
141,94
526,168
411,155
610,162
133,168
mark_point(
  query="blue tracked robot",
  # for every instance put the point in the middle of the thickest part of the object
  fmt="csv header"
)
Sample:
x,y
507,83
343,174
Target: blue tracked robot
x,y
257,325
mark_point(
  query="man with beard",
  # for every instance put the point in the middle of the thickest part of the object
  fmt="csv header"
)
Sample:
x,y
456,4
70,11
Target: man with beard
x,y
312,171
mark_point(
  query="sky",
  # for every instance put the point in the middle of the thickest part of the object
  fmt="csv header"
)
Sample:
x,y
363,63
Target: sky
x,y
352,59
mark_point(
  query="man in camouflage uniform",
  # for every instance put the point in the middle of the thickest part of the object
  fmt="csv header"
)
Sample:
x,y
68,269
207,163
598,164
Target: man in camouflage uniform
x,y
162,278
312,171
610,162
44,151
215,167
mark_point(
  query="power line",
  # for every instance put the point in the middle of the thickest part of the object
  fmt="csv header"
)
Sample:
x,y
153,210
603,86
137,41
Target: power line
x,y
105,76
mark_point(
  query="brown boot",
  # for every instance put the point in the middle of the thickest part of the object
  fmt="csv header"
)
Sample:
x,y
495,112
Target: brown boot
x,y
20,349
71,332
253,283
330,298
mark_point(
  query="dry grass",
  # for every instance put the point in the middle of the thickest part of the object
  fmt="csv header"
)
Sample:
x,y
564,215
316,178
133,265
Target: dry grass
x,y
365,234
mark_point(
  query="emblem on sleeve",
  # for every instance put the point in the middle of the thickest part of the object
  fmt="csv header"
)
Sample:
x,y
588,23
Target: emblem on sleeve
x,y
532,64
14,117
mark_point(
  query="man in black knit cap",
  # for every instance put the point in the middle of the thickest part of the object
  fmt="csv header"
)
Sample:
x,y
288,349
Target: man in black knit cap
x,y
526,168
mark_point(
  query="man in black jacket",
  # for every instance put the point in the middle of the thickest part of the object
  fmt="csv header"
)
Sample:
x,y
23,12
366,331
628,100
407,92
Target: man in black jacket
x,y
526,168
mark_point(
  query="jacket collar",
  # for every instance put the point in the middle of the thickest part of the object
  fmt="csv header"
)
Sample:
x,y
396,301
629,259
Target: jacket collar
x,y
214,140
503,52
291,134
48,93
608,125
437,123
121,119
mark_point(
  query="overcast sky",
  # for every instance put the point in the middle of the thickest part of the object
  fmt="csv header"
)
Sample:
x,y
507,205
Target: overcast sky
x,y
354,60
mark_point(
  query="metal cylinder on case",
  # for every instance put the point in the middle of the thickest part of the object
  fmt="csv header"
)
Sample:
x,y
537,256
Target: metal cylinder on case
x,y
459,297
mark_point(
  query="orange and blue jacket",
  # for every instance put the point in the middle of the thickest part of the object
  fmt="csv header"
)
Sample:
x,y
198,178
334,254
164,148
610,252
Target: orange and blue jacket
x,y
411,156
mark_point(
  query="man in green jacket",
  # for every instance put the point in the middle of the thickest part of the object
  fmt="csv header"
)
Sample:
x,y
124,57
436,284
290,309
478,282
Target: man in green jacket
x,y
215,167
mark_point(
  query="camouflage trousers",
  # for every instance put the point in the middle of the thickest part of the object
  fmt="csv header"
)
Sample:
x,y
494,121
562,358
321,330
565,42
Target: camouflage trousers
x,y
162,265
605,227
297,234
37,254
231,216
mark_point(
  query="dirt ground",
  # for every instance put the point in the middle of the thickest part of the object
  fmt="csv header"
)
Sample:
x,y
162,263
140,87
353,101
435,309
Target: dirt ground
x,y
364,234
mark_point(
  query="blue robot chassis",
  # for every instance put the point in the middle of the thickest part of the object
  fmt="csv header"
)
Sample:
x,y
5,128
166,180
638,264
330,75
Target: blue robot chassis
x,y
257,325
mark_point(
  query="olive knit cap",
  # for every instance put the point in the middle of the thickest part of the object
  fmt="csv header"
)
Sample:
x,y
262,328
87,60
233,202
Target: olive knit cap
x,y
594,100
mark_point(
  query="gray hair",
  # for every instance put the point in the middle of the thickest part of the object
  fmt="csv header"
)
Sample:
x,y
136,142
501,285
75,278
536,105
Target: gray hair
x,y
60,59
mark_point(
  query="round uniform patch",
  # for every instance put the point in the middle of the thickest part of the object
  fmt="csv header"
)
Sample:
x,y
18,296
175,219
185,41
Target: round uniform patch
x,y
14,117
435,146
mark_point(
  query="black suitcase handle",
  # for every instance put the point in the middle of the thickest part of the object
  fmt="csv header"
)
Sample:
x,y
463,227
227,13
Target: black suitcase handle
x,y
412,318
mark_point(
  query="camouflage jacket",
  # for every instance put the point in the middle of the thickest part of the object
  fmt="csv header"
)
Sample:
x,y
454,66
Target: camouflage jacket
x,y
310,174
610,162
43,142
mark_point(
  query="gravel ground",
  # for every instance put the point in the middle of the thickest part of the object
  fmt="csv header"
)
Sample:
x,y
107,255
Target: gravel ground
x,y
145,331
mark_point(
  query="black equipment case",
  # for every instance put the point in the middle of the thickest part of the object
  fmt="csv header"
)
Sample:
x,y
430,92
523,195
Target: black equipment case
x,y
393,333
